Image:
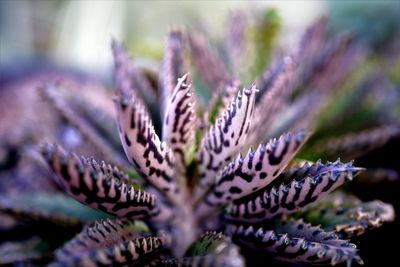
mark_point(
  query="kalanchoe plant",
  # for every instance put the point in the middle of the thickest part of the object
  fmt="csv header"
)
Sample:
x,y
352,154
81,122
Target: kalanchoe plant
x,y
208,182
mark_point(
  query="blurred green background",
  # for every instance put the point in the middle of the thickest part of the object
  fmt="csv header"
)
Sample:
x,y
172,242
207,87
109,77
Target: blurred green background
x,y
78,33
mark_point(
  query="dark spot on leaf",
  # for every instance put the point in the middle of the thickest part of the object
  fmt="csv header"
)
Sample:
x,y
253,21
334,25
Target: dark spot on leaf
x,y
127,141
263,175
258,166
235,190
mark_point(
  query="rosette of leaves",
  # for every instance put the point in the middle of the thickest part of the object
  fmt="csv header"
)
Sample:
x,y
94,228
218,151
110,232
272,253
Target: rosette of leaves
x,y
209,182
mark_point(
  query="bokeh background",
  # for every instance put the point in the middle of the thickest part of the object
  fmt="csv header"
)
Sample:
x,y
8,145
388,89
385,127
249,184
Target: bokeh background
x,y
74,37
78,33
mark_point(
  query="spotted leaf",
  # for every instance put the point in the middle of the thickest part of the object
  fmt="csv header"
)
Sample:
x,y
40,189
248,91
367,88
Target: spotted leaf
x,y
153,159
180,122
315,182
301,169
130,252
97,185
225,138
347,215
173,66
101,234
296,246
256,170
304,230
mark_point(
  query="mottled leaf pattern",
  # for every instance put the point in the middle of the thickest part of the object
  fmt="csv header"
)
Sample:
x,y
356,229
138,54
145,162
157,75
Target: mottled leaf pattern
x,y
256,170
128,252
225,138
302,169
347,215
153,159
318,181
180,121
296,248
371,215
98,186
102,234
304,230
173,66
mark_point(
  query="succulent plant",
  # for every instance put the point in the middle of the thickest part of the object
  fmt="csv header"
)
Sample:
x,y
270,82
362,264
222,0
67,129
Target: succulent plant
x,y
198,193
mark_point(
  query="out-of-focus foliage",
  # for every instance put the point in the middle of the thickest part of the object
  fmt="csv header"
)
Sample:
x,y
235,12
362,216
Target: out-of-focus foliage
x,y
376,22
264,35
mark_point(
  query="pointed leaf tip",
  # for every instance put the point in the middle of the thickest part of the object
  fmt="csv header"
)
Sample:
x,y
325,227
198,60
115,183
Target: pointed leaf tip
x,y
180,122
150,156
100,187
225,138
256,170
299,187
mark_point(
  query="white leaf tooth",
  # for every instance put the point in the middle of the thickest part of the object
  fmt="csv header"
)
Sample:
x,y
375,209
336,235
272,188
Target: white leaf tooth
x,y
135,150
260,232
98,174
249,231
